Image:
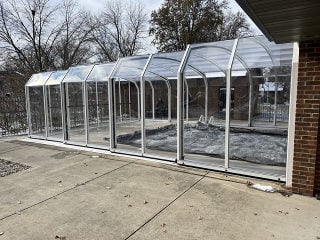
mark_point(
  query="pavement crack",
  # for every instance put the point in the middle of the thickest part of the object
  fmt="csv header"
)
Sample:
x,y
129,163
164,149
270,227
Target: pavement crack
x,y
65,191
165,207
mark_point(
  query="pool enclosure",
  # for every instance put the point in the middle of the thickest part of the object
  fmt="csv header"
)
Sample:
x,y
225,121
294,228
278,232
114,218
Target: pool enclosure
x,y
221,105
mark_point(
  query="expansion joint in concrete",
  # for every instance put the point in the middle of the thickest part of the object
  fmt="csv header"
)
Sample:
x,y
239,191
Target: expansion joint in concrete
x,y
165,207
65,191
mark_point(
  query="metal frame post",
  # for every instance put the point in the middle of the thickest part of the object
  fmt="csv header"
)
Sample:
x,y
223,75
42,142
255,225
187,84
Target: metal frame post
x,y
139,103
143,113
152,93
68,129
86,112
63,111
292,113
28,110
64,108
129,96
45,109
111,99
250,99
206,99
275,101
85,105
97,103
187,99
228,91
180,105
169,101
49,107
120,101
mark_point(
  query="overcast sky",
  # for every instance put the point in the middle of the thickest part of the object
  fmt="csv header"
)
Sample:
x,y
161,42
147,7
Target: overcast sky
x,y
97,5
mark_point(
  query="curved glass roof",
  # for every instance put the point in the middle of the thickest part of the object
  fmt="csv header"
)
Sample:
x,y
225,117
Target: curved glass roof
x,y
56,78
38,79
203,60
258,52
210,57
77,74
164,65
101,72
130,68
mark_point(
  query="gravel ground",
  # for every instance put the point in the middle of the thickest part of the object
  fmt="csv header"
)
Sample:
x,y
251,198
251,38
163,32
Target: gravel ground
x,y
8,167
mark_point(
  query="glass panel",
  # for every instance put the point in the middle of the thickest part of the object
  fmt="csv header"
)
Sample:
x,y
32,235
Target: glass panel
x,y
37,117
283,98
128,124
55,130
98,105
100,72
127,103
77,74
38,79
240,92
204,141
196,90
263,98
74,84
161,127
56,78
75,112
262,147
161,134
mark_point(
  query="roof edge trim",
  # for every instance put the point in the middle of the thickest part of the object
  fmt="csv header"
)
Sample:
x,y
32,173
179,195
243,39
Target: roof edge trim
x,y
248,10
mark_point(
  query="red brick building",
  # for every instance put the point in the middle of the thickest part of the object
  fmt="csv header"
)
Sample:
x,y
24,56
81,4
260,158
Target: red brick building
x,y
298,21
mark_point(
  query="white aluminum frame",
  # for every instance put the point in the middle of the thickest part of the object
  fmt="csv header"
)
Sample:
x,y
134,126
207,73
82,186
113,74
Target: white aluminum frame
x,y
112,116
143,107
85,109
292,114
29,119
182,112
228,104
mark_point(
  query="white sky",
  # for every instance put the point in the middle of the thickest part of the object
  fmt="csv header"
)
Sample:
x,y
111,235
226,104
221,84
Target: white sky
x,y
97,5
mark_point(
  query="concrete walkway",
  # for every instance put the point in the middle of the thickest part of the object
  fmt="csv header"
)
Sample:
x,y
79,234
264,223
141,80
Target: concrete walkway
x,y
72,194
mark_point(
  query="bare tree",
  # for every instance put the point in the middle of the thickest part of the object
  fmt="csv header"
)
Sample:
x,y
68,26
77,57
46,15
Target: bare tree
x,y
24,31
121,29
74,41
234,25
42,35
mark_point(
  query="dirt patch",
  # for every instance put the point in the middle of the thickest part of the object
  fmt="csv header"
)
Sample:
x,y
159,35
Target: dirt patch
x,y
8,167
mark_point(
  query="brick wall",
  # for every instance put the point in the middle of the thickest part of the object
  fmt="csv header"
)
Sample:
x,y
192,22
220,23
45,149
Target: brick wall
x,y
306,143
317,176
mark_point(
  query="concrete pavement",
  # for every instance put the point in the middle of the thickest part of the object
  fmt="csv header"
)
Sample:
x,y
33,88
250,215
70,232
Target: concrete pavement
x,y
72,194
